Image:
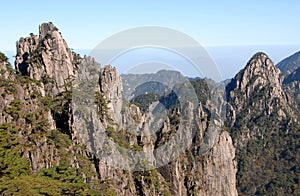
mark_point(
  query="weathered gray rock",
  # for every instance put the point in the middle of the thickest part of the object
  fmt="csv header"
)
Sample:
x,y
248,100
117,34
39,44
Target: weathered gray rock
x,y
46,57
219,172
111,86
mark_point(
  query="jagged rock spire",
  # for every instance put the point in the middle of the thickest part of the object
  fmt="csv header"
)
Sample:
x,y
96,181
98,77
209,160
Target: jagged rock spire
x,y
47,28
46,56
112,89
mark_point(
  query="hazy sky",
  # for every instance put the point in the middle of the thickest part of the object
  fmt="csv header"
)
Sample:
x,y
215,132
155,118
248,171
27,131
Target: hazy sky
x,y
84,24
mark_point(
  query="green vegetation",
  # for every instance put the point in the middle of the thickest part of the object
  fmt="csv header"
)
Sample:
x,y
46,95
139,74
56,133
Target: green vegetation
x,y
13,109
58,180
118,137
30,128
153,181
145,100
11,163
3,58
62,143
201,89
122,138
268,164
16,177
9,87
102,108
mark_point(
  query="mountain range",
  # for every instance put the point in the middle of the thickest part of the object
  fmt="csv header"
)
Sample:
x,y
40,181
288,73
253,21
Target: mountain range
x,y
69,126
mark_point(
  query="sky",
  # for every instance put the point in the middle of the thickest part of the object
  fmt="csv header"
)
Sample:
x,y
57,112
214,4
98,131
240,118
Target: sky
x,y
214,24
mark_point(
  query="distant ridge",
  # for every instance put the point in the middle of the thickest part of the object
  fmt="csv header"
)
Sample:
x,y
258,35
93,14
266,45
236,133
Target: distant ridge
x,y
289,64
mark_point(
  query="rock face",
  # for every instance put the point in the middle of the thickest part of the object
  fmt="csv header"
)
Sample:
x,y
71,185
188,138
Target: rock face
x,y
261,117
111,87
224,167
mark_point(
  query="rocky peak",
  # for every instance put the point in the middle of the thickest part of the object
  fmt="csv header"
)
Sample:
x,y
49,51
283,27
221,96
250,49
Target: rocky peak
x,y
257,91
47,28
111,87
259,74
46,56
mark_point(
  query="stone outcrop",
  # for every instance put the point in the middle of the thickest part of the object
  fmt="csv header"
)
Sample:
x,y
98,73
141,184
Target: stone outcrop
x,y
111,87
46,57
221,169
